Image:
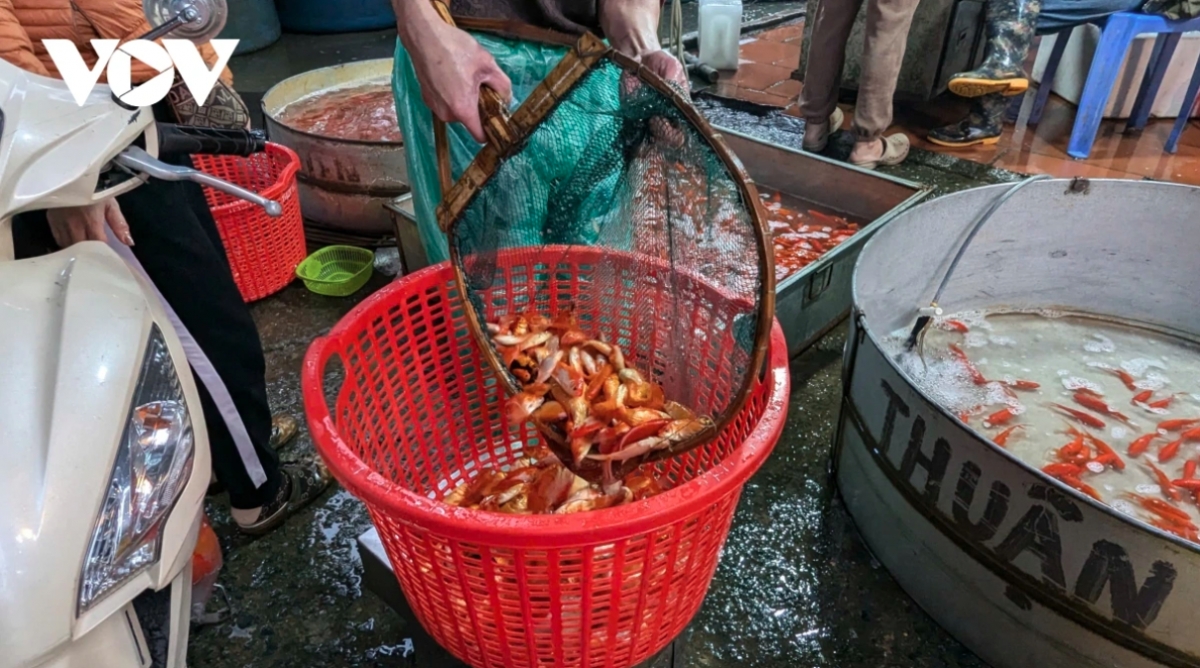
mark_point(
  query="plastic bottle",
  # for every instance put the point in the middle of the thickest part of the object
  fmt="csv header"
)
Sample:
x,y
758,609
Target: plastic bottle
x,y
720,32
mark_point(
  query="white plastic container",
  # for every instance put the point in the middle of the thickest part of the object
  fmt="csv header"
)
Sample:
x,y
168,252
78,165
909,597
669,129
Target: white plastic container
x,y
720,33
1077,59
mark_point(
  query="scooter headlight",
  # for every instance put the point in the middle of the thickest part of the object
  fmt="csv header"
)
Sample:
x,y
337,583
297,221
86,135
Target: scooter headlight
x,y
153,464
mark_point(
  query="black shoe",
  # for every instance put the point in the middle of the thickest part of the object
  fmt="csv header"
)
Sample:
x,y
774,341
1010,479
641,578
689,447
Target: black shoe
x,y
302,483
1011,25
284,429
963,134
983,125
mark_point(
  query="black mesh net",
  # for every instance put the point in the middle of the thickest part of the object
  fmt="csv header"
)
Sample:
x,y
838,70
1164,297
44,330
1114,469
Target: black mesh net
x,y
616,263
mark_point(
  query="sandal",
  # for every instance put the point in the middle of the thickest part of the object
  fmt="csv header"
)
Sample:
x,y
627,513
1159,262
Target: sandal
x,y
302,484
284,429
816,135
895,150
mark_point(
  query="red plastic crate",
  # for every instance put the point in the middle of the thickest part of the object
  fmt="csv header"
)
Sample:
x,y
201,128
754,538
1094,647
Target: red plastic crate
x,y
418,410
263,251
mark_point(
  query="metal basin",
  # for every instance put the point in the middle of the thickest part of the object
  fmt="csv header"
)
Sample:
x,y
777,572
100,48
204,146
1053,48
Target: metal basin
x,y
343,183
408,239
813,300
1024,571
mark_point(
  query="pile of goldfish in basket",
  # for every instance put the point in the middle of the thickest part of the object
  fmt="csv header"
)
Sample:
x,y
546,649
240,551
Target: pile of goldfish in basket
x,y
605,409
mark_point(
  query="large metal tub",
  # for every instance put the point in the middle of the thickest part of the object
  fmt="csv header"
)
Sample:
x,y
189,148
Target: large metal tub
x,y
812,301
1023,570
343,183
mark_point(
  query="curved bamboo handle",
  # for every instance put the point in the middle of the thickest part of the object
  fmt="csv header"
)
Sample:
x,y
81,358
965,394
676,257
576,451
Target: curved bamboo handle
x,y
493,113
497,124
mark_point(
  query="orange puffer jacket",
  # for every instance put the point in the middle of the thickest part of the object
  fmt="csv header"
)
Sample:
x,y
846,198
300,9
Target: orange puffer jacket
x,y
25,23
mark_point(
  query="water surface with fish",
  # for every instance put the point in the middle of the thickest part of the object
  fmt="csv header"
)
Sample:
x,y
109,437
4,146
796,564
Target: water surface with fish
x,y
1106,407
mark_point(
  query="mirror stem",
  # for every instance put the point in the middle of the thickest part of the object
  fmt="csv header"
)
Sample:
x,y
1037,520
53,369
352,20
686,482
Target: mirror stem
x,y
186,15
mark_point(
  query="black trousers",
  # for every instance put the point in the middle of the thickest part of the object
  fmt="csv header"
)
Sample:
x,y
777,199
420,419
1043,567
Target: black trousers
x,y
176,240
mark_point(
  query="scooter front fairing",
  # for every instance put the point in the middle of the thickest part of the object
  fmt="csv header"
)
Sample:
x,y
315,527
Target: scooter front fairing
x,y
105,463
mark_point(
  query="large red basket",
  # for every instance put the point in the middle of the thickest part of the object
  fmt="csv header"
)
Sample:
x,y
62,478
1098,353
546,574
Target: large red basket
x,y
418,410
263,251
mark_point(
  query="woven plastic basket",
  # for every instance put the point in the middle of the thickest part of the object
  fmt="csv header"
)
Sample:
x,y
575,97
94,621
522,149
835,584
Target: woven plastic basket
x,y
263,251
417,411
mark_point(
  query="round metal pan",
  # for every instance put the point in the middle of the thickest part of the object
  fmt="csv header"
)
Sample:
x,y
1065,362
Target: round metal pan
x,y
343,183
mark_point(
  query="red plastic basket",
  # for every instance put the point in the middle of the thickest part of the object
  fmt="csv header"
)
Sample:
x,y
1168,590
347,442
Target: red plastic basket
x,y
418,410
263,251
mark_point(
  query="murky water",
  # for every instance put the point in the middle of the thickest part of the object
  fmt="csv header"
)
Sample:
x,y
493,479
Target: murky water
x,y
1128,384
364,111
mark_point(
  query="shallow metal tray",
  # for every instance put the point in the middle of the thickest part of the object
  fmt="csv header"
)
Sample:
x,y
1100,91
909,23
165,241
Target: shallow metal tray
x,y
812,301
408,240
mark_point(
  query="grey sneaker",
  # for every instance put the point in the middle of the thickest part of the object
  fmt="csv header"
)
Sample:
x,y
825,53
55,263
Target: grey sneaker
x,y
895,150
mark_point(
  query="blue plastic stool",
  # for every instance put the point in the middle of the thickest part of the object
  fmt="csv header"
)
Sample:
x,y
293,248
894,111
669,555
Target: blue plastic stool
x,y
1189,103
1117,33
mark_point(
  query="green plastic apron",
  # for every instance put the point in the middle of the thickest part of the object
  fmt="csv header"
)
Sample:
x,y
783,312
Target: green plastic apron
x,y
525,63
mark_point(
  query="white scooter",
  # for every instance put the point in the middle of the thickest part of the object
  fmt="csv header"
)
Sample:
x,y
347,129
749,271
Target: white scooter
x,y
103,445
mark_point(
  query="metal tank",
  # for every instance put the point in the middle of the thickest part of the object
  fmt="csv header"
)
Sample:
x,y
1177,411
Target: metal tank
x,y
1021,569
343,183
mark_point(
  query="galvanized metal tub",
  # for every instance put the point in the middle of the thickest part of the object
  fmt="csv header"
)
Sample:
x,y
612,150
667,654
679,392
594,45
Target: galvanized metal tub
x,y
812,301
1021,569
343,183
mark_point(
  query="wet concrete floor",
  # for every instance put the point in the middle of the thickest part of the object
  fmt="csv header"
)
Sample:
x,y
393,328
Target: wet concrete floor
x,y
796,585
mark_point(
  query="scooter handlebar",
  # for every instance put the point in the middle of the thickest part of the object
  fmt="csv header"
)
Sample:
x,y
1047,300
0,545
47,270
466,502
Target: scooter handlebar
x,y
175,140
135,159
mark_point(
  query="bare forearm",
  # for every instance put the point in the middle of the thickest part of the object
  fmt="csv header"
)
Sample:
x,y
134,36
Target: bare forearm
x,y
450,65
631,26
413,20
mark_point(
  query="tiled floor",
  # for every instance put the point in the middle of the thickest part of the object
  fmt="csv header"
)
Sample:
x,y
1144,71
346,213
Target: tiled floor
x,y
769,58
767,61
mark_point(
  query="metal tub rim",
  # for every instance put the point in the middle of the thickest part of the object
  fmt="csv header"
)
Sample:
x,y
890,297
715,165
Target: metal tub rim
x,y
274,116
861,318
998,187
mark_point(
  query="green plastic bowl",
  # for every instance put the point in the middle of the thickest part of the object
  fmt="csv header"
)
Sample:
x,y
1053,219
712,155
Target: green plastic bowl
x,y
336,271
